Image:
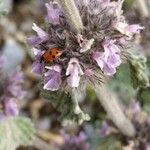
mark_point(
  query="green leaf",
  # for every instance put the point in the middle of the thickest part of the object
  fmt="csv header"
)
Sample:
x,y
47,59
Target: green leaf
x,y
90,95
15,132
121,84
138,69
144,97
109,143
128,4
64,103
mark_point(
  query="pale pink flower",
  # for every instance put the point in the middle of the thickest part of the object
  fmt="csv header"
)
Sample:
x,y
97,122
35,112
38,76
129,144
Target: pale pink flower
x,y
84,43
128,30
73,72
109,59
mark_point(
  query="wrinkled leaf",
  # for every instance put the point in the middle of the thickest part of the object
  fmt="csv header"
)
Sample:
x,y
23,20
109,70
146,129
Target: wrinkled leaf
x,y
138,69
65,105
15,132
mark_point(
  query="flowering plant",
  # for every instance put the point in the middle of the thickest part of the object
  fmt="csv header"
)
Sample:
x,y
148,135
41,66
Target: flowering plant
x,y
11,92
93,39
87,56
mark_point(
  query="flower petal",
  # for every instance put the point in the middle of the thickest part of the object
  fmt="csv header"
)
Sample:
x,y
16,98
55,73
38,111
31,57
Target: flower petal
x,y
84,43
11,107
34,40
128,30
74,71
41,33
135,28
108,70
114,60
37,67
53,13
109,59
52,79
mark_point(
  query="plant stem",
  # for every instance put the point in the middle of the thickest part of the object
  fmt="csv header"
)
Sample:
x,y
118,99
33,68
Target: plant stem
x,y
41,145
111,105
143,7
72,15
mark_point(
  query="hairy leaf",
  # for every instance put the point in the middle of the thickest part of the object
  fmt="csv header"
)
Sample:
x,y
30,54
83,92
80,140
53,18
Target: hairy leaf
x,y
65,105
138,69
144,97
14,132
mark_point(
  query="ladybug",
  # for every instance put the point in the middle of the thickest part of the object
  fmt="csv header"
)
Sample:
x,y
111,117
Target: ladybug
x,y
51,55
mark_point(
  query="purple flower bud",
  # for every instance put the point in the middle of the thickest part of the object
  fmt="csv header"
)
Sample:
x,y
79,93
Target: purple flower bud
x,y
38,66
104,130
11,91
74,72
82,137
11,108
15,90
34,40
53,13
14,81
16,77
42,35
77,142
89,72
52,78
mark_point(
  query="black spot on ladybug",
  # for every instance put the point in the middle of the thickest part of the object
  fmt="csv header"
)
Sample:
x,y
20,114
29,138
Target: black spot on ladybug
x,y
53,56
56,52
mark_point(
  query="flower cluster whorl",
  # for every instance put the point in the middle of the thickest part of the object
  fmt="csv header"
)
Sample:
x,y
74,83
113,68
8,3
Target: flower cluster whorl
x,y
10,91
88,56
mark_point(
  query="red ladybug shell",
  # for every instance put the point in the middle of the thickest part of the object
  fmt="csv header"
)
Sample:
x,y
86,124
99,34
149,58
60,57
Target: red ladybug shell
x,y
51,55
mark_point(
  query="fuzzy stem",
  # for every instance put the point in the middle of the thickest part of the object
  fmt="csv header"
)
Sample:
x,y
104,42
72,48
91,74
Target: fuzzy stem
x,y
77,109
75,100
72,14
41,145
143,8
111,105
